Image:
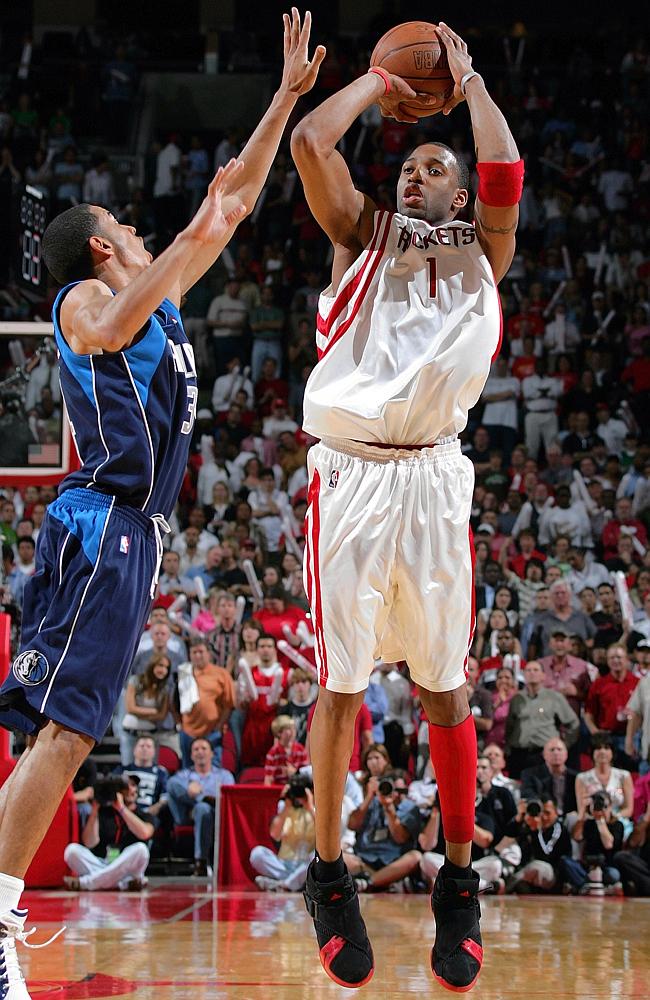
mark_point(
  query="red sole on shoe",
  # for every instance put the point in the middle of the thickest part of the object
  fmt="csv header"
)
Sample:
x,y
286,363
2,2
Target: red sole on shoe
x,y
334,978
456,989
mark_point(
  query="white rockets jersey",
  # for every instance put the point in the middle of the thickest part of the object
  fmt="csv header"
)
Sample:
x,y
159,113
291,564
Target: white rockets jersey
x,y
406,344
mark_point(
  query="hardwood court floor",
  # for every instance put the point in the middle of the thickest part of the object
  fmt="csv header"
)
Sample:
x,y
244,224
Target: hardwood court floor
x,y
176,942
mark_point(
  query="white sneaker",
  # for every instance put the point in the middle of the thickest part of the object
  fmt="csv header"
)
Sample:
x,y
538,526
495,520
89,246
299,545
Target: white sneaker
x,y
12,981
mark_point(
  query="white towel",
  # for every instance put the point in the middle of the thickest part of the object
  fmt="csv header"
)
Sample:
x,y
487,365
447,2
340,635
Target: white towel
x,y
188,689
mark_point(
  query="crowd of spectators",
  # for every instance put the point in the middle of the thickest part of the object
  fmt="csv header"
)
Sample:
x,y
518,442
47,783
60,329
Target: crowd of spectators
x,y
559,440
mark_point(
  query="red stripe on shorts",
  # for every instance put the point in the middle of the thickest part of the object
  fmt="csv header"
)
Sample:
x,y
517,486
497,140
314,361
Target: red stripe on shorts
x,y
472,620
315,600
324,325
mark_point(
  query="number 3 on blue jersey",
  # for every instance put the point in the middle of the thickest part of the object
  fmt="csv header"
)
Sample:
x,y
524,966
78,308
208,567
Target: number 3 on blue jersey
x,y
184,364
192,396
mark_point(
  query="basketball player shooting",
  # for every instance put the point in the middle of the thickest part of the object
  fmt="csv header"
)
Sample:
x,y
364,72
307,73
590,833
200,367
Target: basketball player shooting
x,y
406,333
130,387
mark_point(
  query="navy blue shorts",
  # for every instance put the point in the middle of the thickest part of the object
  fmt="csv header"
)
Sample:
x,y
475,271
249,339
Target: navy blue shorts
x,y
84,611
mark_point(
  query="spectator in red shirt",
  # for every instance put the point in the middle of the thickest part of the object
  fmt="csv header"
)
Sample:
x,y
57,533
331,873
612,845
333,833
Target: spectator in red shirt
x,y
624,523
362,735
527,550
605,708
269,387
524,365
638,371
276,613
286,756
525,322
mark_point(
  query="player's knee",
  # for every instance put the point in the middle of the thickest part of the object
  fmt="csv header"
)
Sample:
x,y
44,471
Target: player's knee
x,y
65,745
337,705
445,708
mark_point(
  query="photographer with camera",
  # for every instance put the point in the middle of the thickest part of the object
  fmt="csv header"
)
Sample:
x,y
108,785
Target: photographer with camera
x,y
113,853
543,840
387,824
293,829
601,837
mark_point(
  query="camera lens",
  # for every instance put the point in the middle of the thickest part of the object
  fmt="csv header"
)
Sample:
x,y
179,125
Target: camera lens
x,y
533,808
385,787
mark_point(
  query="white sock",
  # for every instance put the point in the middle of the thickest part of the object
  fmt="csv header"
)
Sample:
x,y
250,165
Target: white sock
x,y
11,889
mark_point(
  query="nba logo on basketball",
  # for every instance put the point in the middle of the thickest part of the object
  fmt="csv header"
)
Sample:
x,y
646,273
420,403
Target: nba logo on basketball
x,y
334,479
125,541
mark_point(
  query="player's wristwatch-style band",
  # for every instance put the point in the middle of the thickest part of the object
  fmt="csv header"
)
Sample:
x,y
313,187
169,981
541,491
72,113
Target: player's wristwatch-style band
x,y
465,80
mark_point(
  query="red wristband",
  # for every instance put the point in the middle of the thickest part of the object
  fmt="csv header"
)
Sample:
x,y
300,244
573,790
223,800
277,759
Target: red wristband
x,y
384,75
500,185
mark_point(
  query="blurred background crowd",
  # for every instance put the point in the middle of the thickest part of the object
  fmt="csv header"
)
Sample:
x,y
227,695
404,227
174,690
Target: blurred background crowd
x,y
225,679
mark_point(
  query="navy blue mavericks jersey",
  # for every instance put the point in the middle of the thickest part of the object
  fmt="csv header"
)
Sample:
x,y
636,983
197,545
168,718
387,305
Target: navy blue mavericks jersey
x,y
132,412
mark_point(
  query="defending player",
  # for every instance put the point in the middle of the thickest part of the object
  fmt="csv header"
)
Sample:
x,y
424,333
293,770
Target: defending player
x,y
129,382
406,333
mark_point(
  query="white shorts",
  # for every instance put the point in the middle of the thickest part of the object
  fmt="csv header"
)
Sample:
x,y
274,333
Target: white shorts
x,y
389,562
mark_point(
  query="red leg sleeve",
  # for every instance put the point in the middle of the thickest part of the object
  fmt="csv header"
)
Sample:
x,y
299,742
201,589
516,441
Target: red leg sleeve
x,y
453,755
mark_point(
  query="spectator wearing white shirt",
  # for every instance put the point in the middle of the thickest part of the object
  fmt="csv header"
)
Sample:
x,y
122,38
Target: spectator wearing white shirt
x,y
612,431
226,387
566,518
531,512
561,336
227,318
615,185
279,420
585,571
270,508
540,392
227,149
500,416
98,183
167,194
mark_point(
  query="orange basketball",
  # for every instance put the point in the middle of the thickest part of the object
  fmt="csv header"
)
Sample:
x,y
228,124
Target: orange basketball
x,y
414,52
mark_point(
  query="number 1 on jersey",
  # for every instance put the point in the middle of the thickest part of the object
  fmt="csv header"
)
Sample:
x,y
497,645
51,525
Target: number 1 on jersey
x,y
431,261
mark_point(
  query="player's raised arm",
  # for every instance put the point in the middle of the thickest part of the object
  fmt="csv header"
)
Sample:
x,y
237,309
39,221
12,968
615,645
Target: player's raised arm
x,y
298,77
499,166
93,319
345,214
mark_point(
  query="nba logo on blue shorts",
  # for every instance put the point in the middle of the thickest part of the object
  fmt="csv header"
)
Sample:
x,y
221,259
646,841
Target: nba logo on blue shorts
x,y
31,668
334,479
124,544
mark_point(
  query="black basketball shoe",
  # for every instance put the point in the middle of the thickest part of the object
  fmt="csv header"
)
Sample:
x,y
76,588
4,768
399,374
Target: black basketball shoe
x,y
345,951
457,954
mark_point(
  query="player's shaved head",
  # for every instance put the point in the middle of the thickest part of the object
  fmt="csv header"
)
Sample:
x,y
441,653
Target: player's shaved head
x,y
66,248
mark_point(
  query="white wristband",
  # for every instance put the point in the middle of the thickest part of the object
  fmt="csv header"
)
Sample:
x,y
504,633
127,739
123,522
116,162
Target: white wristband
x,y
465,80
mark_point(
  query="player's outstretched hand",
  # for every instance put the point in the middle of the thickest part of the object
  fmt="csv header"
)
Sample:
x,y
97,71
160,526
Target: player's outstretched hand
x,y
391,105
210,224
299,73
460,62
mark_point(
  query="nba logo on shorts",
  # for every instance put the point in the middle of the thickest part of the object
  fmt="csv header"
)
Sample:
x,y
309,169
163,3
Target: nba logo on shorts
x,y
124,544
31,668
334,479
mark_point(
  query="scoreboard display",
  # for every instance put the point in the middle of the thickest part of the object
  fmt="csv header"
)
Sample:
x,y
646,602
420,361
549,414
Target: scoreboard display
x,y
33,218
